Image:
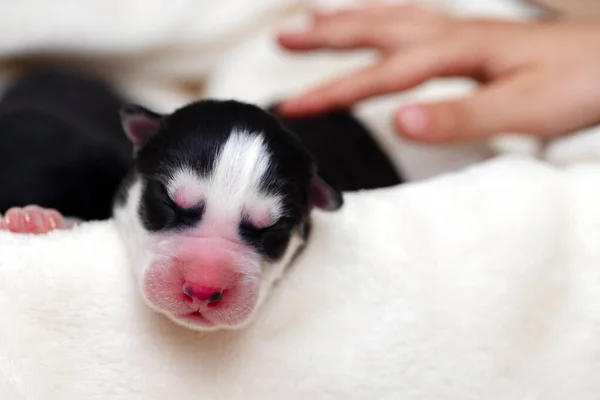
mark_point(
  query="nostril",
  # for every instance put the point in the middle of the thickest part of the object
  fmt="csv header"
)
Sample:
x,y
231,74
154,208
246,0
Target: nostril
x,y
215,298
188,291
195,292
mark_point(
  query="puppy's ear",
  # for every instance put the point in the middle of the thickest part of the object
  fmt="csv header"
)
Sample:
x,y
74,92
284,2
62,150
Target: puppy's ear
x,y
140,124
323,195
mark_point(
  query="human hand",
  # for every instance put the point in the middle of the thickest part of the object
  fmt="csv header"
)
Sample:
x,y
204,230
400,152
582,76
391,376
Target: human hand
x,y
540,78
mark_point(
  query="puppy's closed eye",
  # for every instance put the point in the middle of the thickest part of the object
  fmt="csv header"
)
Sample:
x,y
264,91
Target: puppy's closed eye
x,y
270,240
162,212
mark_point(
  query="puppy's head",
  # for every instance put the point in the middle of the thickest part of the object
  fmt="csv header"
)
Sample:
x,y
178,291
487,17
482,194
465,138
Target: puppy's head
x,y
216,207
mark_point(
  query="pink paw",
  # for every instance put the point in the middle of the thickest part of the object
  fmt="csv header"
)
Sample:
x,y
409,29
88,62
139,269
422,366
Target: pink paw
x,y
33,219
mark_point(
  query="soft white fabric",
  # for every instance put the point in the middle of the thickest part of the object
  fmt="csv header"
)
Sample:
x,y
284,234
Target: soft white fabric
x,y
483,284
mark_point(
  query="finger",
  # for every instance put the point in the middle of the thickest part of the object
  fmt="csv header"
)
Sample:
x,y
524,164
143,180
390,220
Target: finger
x,y
493,110
394,13
341,35
324,16
400,72
364,9
382,27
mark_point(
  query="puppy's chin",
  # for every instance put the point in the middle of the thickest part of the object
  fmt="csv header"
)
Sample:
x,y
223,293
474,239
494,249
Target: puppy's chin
x,y
199,323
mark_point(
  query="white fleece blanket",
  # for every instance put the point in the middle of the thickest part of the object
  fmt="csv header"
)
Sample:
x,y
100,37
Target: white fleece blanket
x,y
479,284
483,284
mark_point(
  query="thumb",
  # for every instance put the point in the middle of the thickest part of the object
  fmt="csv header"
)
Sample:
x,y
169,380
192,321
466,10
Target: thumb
x,y
508,107
439,122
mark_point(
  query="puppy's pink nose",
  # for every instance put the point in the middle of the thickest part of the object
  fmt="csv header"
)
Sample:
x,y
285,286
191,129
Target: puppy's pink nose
x,y
202,293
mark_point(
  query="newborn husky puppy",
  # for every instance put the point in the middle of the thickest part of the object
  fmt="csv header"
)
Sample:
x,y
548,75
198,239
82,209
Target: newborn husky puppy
x,y
215,207
218,195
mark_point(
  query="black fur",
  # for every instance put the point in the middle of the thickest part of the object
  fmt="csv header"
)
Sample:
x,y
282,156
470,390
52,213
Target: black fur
x,y
61,144
72,96
345,151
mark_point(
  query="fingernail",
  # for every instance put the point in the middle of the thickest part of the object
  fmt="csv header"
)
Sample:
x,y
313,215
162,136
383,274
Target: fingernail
x,y
286,106
291,34
414,121
293,101
298,29
297,103
300,26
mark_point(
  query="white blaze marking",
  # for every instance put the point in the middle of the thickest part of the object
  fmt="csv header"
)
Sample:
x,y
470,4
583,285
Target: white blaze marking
x,y
233,185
